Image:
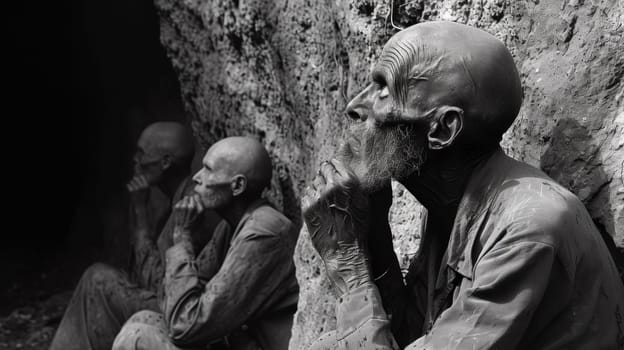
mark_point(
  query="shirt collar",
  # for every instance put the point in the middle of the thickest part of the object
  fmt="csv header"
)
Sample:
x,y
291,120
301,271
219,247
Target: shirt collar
x,y
250,209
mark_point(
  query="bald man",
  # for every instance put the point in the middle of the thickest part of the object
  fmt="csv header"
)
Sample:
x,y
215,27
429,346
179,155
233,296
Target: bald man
x,y
508,259
240,291
105,296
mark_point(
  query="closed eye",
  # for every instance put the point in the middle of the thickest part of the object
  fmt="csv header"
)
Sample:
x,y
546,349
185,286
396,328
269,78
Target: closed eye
x,y
380,84
384,92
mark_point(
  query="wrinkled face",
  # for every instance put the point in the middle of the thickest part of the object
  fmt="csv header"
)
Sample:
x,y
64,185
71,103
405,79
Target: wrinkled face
x,y
147,161
388,138
212,182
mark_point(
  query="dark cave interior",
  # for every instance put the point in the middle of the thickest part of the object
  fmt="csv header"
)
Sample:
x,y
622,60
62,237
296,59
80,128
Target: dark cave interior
x,y
85,77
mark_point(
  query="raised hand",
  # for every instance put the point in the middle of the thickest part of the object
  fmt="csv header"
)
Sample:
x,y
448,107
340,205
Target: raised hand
x,y
186,214
139,189
336,212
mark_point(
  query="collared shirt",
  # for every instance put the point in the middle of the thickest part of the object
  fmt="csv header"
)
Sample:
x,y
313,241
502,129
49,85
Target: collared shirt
x,y
244,279
524,268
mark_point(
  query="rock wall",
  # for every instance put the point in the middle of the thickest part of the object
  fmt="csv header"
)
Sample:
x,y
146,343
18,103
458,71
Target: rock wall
x,y
283,70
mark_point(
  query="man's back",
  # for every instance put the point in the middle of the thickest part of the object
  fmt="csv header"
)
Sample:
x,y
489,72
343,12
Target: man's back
x,y
274,320
533,243
584,292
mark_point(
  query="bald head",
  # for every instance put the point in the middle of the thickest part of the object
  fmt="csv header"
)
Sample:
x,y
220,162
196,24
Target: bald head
x,y
242,156
168,138
436,64
437,86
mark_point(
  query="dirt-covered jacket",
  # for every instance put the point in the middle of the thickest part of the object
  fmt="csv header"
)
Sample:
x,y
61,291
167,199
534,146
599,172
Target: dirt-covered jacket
x,y
524,268
241,286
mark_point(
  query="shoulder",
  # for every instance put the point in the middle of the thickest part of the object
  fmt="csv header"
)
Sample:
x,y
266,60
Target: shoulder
x,y
514,194
268,221
532,207
537,199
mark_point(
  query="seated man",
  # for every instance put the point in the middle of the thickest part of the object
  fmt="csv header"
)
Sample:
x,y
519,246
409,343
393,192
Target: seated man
x,y
106,297
509,258
242,285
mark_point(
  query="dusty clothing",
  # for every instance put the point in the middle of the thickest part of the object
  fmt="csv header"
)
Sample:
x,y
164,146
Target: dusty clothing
x,y
147,268
103,300
147,330
524,268
106,297
241,287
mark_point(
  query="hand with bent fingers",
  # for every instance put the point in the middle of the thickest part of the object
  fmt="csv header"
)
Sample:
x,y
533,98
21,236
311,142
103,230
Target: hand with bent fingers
x,y
336,212
185,217
139,189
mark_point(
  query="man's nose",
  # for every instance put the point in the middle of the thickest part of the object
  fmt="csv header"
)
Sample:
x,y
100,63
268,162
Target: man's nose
x,y
196,177
360,106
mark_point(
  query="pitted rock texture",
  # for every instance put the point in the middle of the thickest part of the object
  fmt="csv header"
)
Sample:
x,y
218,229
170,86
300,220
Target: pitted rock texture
x,y
283,70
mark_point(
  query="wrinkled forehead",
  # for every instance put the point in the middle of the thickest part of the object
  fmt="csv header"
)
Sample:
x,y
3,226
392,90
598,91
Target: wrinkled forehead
x,y
442,62
410,46
412,63
446,63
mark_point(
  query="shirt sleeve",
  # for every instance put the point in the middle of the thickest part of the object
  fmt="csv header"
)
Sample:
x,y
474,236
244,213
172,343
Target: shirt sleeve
x,y
380,315
495,311
148,267
199,312
361,323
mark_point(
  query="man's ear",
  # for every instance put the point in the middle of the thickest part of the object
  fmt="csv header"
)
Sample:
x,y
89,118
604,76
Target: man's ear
x,y
166,162
445,127
238,185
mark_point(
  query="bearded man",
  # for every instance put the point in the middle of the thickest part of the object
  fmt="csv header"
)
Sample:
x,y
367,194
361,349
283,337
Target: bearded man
x,y
509,258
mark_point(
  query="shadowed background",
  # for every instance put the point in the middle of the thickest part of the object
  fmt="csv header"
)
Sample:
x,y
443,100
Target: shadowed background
x,y
85,77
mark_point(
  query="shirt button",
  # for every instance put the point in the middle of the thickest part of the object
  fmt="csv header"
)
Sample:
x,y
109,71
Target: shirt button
x,y
244,327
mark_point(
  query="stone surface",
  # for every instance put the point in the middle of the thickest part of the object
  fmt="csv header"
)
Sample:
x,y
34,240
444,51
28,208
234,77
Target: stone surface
x,y
283,70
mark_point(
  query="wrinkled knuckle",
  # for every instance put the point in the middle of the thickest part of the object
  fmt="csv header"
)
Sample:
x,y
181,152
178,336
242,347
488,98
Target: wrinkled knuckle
x,y
342,184
310,206
335,186
305,208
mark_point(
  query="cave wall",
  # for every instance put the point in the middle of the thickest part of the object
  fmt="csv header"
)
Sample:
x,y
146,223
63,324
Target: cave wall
x,y
284,70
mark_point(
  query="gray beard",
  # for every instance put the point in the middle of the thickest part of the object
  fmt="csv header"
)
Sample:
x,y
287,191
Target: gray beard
x,y
385,152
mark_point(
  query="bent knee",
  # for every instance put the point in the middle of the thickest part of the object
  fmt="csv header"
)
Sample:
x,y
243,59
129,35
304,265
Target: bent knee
x,y
100,273
147,317
141,336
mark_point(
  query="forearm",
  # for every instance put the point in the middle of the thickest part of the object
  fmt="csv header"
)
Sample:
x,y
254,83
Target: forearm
x,y
401,306
198,312
148,265
141,230
361,323
406,318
